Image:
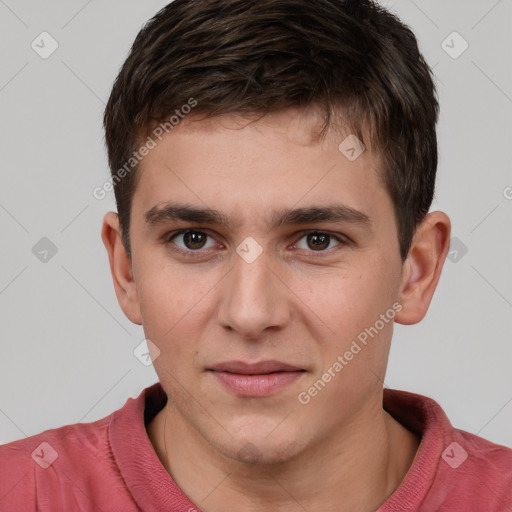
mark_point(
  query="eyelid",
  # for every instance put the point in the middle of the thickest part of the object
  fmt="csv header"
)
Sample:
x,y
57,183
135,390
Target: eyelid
x,y
168,237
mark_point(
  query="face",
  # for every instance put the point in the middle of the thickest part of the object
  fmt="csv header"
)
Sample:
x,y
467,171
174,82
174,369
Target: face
x,y
272,315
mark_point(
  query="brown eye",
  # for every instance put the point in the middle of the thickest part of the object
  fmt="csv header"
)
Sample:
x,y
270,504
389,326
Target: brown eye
x,y
317,241
191,240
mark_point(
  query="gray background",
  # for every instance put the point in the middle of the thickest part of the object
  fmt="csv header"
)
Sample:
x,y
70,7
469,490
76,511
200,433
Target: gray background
x,y
67,349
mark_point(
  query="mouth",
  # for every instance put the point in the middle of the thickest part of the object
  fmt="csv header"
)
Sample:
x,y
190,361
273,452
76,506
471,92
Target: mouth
x,y
256,379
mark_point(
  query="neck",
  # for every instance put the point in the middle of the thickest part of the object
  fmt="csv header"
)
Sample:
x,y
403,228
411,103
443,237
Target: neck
x,y
355,469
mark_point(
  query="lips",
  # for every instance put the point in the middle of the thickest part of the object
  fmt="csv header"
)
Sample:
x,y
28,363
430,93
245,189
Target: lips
x,y
262,368
255,379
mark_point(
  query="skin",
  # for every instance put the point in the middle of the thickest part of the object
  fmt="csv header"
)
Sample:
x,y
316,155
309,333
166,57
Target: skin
x,y
295,303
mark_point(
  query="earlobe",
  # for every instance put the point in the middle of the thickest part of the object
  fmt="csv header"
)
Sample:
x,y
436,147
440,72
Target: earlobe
x,y
121,268
422,269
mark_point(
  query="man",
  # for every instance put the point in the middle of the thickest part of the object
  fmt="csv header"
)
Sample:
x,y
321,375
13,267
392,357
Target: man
x,y
274,164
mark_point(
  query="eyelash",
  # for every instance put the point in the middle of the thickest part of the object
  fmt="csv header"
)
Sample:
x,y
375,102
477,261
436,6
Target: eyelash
x,y
168,240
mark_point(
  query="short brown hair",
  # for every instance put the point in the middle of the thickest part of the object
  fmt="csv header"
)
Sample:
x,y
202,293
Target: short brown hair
x,y
350,57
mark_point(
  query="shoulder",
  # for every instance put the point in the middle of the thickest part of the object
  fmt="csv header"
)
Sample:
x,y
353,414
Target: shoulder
x,y
81,466
480,464
36,466
472,473
453,469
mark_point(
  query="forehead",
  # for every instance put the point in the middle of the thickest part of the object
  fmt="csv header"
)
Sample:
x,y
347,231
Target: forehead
x,y
245,161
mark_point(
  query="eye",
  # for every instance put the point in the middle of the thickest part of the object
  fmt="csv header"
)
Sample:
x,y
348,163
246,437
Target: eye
x,y
318,241
191,240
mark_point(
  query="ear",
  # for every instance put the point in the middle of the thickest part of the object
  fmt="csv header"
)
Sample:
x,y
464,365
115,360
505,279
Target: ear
x,y
422,268
121,268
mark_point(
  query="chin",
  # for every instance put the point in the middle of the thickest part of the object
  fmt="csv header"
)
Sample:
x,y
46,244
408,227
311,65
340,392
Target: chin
x,y
259,439
262,451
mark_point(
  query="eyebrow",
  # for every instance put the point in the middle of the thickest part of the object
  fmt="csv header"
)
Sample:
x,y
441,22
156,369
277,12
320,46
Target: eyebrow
x,y
184,212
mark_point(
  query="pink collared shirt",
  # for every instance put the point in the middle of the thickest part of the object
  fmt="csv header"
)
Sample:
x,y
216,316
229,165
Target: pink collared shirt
x,y
110,465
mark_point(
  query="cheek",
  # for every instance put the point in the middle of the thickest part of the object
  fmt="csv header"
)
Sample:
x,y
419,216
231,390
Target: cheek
x,y
344,302
172,304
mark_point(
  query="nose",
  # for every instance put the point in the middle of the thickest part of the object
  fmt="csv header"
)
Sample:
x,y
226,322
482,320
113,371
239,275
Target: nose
x,y
254,298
